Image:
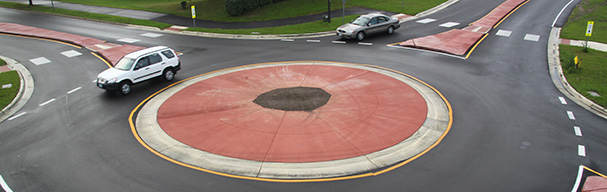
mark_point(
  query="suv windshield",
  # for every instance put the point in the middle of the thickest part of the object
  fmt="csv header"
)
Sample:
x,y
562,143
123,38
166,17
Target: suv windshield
x,y
125,64
360,21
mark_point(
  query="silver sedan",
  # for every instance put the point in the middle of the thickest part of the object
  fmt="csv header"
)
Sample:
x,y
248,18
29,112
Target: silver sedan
x,y
368,24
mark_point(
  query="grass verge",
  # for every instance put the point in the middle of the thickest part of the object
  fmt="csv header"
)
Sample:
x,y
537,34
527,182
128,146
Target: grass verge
x,y
311,27
591,75
587,10
7,95
215,9
93,16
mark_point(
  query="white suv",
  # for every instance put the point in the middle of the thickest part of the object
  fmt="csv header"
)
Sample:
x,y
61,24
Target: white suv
x,y
139,66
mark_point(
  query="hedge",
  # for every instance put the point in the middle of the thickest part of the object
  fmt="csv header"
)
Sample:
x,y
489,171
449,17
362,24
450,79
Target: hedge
x,y
238,7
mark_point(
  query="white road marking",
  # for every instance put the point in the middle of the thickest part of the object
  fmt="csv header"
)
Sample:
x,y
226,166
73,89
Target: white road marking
x,y
559,15
17,116
503,33
449,24
570,114
563,101
578,131
128,40
581,150
4,185
71,53
152,35
426,21
47,102
339,42
74,90
288,40
40,61
578,180
532,37
312,41
367,44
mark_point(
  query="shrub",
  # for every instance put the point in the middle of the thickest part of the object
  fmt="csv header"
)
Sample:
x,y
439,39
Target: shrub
x,y
238,7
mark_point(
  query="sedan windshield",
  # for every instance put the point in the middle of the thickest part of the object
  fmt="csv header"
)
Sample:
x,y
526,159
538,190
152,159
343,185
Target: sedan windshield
x,y
360,21
125,64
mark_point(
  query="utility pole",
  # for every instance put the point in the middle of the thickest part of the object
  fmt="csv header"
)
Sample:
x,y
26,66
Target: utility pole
x,y
329,10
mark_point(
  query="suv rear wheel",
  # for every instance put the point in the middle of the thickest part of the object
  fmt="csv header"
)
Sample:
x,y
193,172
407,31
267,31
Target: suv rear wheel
x,y
168,75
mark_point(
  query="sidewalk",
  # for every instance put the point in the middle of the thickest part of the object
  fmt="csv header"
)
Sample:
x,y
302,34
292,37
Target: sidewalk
x,y
186,21
580,43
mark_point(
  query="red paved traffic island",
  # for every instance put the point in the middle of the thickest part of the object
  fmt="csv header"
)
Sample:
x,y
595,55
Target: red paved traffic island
x,y
294,120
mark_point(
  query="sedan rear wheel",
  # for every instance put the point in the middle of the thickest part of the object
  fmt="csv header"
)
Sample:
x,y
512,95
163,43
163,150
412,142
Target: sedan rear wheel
x,y
390,30
360,36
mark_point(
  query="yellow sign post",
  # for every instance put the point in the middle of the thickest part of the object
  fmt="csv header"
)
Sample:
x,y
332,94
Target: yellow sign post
x,y
194,15
589,31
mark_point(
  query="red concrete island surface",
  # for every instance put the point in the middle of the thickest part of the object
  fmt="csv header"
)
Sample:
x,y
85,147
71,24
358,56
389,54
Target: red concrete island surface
x,y
367,112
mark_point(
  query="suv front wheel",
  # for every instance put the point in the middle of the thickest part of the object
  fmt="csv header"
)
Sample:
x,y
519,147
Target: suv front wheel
x,y
168,75
125,88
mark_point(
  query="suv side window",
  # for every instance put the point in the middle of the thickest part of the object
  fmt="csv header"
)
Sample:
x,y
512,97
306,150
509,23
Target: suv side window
x,y
168,53
143,62
154,58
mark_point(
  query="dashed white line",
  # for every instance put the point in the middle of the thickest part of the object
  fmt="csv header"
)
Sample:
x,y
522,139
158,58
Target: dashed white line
x,y
426,21
17,116
503,33
581,151
152,35
570,114
563,101
532,37
367,44
449,24
46,103
71,53
128,40
312,41
40,61
4,185
578,131
338,42
74,90
288,40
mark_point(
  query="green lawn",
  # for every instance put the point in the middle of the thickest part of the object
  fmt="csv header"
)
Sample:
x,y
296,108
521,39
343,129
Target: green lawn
x,y
591,75
311,27
587,10
7,95
215,9
94,16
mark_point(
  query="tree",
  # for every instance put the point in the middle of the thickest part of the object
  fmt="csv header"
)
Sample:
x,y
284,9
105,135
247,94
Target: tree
x,y
31,3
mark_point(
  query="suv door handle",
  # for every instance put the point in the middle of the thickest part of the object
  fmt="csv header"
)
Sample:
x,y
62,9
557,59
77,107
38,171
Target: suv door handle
x,y
162,63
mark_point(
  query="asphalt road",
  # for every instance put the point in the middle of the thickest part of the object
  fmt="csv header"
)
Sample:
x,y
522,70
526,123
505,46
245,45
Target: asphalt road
x,y
510,133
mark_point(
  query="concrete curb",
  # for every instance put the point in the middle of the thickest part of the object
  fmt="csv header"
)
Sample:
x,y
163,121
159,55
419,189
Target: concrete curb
x,y
25,90
559,80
